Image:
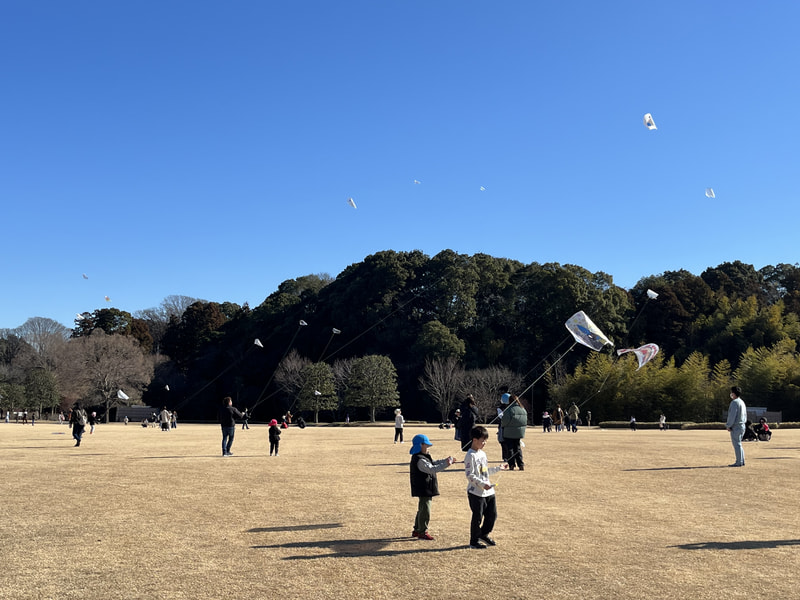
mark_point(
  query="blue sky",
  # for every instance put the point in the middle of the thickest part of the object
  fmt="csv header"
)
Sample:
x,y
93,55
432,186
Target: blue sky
x,y
208,149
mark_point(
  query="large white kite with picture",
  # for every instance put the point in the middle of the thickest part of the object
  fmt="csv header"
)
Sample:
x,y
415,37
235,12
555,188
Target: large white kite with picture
x,y
585,332
644,354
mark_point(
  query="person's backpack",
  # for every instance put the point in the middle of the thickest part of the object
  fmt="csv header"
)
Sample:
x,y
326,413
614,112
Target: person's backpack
x,y
81,418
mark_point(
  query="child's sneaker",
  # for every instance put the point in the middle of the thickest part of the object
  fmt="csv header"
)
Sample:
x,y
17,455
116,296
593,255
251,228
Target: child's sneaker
x,y
477,545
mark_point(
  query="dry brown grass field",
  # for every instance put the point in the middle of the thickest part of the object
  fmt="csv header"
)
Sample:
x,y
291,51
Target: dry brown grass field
x,y
611,514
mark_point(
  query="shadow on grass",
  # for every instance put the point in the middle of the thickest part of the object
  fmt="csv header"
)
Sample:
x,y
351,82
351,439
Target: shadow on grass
x,y
743,545
357,548
194,456
295,528
686,468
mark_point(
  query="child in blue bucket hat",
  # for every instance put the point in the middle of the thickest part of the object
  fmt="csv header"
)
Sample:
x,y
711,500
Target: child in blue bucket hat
x,y
424,484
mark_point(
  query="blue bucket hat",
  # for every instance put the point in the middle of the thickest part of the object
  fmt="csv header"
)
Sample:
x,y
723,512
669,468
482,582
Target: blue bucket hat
x,y
416,443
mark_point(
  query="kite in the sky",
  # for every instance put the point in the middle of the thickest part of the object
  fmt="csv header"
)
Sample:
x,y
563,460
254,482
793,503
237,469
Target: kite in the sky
x,y
652,295
586,332
710,193
352,202
483,189
648,122
417,182
258,343
85,276
644,354
122,395
108,299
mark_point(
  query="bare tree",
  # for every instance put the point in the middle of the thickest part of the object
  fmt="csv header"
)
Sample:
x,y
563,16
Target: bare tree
x,y
485,384
443,380
158,318
110,363
175,306
289,375
46,336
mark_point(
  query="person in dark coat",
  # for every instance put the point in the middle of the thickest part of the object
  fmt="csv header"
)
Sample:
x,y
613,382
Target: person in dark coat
x,y
274,437
78,420
469,418
227,420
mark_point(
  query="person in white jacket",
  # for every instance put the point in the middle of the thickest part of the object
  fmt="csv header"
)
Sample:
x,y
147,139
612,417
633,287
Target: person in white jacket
x,y
399,421
480,490
737,417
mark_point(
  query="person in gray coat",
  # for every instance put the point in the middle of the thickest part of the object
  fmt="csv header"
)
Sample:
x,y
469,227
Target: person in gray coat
x,y
514,423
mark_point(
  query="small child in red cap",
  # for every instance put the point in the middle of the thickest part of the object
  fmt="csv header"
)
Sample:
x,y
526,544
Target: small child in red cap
x,y
274,437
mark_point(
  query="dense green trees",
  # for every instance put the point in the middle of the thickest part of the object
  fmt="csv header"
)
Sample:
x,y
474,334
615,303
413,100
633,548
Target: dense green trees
x,y
497,321
372,384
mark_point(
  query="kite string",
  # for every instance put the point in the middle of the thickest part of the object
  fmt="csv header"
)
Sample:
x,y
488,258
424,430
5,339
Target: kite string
x,y
614,359
259,399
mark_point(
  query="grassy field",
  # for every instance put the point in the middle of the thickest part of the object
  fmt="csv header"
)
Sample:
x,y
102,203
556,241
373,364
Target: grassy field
x,y
611,514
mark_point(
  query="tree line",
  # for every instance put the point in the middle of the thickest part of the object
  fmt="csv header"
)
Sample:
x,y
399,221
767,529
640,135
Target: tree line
x,y
489,321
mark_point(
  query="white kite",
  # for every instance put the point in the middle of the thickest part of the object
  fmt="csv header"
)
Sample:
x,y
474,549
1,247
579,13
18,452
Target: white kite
x,y
648,122
166,387
483,189
122,395
335,331
652,295
258,343
586,332
317,393
417,182
710,193
352,202
644,354
302,323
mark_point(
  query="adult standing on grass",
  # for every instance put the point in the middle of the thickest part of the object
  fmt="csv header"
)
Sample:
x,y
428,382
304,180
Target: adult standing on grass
x,y
469,418
78,420
227,420
164,418
573,412
514,423
737,416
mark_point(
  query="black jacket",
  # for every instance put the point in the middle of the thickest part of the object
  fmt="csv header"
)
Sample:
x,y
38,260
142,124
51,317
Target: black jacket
x,y
227,416
423,484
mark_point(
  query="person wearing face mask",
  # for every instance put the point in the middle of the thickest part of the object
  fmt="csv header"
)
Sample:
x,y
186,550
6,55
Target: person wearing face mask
x,y
737,417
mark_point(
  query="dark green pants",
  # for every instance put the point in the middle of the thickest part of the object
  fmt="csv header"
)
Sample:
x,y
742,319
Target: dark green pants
x,y
423,514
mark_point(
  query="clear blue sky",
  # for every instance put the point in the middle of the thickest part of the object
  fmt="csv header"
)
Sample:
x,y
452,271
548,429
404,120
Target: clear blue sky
x,y
208,149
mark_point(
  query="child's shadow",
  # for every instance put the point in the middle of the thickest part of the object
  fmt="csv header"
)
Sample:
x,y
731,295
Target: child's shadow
x,y
357,548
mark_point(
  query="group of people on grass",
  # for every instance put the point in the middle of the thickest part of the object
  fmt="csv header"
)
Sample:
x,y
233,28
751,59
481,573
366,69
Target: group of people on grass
x,y
512,419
